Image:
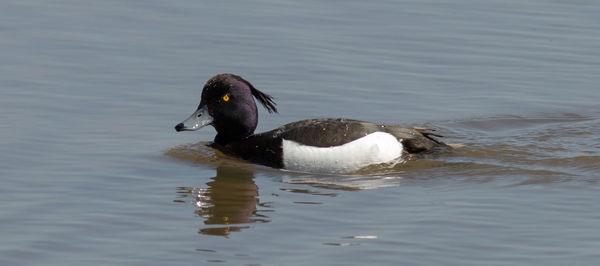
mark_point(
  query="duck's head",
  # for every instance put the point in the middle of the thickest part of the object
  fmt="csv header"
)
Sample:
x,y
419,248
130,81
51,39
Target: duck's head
x,y
228,105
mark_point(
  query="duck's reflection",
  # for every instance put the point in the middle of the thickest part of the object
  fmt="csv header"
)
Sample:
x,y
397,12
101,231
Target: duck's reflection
x,y
227,202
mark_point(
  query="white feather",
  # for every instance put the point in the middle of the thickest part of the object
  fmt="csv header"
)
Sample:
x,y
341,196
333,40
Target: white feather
x,y
375,148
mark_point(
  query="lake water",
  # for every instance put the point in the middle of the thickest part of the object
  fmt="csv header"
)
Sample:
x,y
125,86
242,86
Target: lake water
x,y
92,172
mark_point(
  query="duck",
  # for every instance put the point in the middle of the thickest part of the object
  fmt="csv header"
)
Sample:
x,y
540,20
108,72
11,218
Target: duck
x,y
322,145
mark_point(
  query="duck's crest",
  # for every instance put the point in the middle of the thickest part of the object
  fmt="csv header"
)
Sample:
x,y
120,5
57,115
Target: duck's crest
x,y
265,99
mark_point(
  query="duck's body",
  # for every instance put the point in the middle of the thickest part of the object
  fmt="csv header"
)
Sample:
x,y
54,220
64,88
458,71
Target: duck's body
x,y
332,145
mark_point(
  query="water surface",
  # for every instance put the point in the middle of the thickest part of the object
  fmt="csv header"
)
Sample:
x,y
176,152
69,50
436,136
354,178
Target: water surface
x,y
94,174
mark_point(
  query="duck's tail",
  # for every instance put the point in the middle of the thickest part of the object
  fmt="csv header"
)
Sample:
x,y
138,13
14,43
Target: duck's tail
x,y
418,140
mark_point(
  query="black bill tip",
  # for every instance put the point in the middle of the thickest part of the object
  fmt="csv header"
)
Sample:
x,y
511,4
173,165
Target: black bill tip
x,y
179,127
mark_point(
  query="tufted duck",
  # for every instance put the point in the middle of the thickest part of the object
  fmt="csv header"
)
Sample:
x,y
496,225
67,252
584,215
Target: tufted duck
x,y
331,145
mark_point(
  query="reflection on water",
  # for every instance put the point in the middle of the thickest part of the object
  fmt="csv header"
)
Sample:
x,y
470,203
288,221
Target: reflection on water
x,y
227,202
230,201
345,182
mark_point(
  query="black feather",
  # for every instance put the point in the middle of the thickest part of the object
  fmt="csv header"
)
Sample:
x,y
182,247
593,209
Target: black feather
x,y
265,99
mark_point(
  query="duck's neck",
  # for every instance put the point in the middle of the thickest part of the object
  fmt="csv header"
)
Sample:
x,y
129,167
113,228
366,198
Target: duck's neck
x,y
238,128
224,139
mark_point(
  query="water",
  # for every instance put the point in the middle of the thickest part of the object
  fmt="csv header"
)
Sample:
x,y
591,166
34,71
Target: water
x,y
94,174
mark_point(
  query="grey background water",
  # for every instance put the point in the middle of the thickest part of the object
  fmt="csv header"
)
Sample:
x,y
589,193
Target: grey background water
x,y
92,172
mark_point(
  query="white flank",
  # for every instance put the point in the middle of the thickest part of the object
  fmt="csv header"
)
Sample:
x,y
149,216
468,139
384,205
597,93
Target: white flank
x,y
375,148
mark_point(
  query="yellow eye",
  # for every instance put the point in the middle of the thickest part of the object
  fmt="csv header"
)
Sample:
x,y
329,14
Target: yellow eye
x,y
225,97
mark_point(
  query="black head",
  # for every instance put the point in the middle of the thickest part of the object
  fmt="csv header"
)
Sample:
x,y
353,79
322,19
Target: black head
x,y
228,104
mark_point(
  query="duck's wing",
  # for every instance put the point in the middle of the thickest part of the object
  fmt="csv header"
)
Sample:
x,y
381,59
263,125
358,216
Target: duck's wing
x,y
338,131
325,132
